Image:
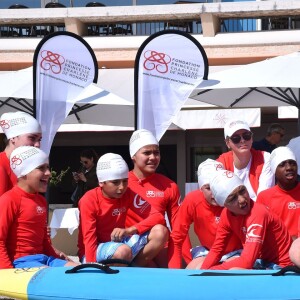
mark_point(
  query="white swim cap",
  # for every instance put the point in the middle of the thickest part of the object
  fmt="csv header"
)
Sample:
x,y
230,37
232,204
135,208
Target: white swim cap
x,y
17,123
279,155
206,171
24,159
222,185
111,166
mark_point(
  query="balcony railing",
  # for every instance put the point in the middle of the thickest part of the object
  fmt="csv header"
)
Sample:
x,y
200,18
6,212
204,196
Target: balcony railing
x,y
201,18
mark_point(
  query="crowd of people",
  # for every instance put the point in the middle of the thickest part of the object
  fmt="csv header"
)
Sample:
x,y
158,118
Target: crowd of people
x,y
245,212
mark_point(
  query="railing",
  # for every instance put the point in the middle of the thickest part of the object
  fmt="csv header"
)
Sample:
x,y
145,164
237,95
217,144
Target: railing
x,y
204,18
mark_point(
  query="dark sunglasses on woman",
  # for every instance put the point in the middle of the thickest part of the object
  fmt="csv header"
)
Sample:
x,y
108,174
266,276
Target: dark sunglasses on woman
x,y
236,138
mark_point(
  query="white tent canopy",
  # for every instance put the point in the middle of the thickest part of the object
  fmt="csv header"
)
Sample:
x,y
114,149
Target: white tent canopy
x,y
113,107
272,82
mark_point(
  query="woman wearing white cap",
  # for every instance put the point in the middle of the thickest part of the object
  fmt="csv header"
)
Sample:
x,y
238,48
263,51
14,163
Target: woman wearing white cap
x,y
199,207
265,239
24,241
250,165
20,129
283,199
102,231
161,192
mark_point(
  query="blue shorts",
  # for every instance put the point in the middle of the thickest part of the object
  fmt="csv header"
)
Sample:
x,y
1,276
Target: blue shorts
x,y
201,251
136,242
38,260
107,250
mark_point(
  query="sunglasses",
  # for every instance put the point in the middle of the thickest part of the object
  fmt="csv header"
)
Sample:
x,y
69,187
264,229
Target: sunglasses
x,y
236,138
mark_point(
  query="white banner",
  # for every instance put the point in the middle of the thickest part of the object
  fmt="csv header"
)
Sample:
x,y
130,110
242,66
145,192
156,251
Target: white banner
x,y
169,65
64,65
215,118
288,112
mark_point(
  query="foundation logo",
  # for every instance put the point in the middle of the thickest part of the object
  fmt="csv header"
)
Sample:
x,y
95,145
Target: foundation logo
x,y
118,211
228,174
293,205
40,210
52,61
4,124
156,60
15,161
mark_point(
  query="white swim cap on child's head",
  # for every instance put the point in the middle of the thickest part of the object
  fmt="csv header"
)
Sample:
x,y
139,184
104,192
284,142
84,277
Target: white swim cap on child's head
x,y
24,159
17,123
139,139
206,170
222,185
111,166
279,155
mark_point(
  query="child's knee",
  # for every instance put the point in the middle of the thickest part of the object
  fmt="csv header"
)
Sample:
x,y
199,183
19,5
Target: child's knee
x,y
123,252
159,232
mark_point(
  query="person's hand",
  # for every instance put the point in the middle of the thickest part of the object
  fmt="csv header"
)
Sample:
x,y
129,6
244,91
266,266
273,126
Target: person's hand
x,y
119,233
62,255
75,176
82,177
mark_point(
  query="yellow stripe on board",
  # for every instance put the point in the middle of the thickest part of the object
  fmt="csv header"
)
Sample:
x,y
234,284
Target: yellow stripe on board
x,y
14,282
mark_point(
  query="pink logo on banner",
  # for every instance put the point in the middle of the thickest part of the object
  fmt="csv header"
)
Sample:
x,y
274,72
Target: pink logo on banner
x,y
15,161
4,124
52,61
156,60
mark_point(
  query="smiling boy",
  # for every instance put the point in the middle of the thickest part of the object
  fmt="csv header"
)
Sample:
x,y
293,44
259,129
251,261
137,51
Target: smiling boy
x,y
24,241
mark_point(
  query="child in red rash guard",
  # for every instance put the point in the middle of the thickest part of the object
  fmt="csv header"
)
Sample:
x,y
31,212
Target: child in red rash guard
x,y
20,129
284,198
265,239
199,207
158,190
102,231
24,242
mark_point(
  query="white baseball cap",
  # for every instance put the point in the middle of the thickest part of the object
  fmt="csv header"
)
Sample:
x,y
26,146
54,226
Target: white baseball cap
x,y
234,125
18,123
111,166
24,159
222,185
279,155
139,139
206,170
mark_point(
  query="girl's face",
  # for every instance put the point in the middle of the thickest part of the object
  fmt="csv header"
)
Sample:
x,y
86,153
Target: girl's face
x,y
88,163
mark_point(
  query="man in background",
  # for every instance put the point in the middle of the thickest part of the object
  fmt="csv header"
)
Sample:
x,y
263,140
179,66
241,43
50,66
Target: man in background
x,y
275,133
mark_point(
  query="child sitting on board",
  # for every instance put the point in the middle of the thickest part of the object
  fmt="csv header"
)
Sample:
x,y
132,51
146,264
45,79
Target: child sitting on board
x,y
24,242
